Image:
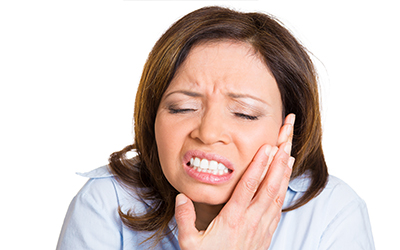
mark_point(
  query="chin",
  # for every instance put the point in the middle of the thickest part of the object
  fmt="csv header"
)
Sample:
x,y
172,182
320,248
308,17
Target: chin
x,y
210,198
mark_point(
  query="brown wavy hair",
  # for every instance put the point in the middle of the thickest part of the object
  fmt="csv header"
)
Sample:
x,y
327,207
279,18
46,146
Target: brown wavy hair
x,y
294,73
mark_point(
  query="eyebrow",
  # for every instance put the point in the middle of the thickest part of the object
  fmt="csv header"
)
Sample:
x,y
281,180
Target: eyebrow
x,y
240,96
185,92
231,95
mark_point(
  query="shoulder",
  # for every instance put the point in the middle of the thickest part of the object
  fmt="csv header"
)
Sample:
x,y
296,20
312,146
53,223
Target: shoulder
x,y
338,197
336,217
103,189
338,187
336,193
92,220
345,217
100,187
107,196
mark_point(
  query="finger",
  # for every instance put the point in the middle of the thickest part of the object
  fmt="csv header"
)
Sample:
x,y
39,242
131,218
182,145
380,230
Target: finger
x,y
275,211
274,224
286,131
275,182
185,217
270,159
250,181
279,200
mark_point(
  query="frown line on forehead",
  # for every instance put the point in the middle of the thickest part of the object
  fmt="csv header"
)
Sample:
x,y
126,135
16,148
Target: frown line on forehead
x,y
228,94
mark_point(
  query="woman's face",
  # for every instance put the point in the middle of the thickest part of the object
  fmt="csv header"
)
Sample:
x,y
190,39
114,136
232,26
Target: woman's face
x,y
222,105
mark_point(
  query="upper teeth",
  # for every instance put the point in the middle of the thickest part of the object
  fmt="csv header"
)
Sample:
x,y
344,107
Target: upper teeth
x,y
204,165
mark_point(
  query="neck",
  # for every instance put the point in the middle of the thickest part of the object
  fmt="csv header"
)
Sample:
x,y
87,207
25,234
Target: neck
x,y
205,213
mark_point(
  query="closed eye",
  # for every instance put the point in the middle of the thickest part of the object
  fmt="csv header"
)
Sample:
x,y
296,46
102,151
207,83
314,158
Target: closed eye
x,y
247,117
179,111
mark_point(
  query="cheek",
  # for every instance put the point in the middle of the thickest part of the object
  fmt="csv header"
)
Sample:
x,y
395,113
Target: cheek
x,y
261,134
252,138
169,139
162,140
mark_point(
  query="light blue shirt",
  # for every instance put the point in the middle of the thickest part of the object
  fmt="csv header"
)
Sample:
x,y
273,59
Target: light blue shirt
x,y
336,219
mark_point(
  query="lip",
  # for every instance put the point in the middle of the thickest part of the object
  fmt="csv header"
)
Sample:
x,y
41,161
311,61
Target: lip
x,y
203,176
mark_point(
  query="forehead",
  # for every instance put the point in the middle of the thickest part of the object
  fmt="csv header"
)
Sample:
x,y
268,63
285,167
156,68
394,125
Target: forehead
x,y
226,66
226,54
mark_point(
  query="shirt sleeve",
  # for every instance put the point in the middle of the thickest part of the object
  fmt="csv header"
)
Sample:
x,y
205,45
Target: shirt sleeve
x,y
92,220
349,229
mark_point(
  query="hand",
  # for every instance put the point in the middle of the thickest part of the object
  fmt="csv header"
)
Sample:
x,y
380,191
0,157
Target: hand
x,y
251,216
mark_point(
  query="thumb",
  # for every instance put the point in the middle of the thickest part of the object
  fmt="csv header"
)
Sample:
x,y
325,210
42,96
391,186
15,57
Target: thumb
x,y
185,217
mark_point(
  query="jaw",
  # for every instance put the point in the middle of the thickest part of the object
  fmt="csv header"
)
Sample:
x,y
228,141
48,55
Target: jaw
x,y
208,194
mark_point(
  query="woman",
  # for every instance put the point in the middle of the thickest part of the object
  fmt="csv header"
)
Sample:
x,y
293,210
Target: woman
x,y
229,155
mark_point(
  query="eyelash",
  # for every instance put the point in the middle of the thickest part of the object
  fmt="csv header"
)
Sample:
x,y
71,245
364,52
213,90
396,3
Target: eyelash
x,y
179,111
240,115
247,117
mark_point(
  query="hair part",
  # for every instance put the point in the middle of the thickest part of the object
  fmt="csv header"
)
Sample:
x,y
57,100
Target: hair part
x,y
294,73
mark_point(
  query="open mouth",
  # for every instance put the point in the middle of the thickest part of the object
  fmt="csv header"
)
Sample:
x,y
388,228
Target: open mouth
x,y
207,166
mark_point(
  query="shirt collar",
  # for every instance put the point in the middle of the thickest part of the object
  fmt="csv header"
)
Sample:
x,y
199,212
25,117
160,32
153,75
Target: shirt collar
x,y
300,183
101,172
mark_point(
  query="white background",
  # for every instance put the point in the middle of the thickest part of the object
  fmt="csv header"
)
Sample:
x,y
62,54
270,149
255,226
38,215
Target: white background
x,y
69,71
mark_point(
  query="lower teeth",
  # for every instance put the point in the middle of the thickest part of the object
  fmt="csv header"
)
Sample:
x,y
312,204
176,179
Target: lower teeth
x,y
215,172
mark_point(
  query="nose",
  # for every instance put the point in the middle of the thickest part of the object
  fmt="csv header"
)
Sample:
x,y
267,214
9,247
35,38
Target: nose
x,y
212,128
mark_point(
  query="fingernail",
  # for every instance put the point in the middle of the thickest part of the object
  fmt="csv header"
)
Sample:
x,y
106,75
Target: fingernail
x,y
180,199
292,118
288,148
289,129
291,162
268,150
